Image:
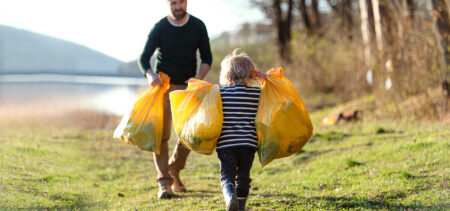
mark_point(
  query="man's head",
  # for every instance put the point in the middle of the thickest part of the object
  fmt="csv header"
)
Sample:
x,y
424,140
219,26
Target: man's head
x,y
177,8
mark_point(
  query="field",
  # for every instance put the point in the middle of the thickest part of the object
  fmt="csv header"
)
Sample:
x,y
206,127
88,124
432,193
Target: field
x,y
361,165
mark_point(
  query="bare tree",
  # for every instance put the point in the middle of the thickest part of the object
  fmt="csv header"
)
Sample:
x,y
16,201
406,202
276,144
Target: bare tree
x,y
365,32
305,17
315,14
347,15
377,19
343,9
442,21
283,21
310,16
411,8
280,13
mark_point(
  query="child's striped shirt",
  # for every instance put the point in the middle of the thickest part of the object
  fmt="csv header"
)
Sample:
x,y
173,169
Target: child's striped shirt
x,y
240,104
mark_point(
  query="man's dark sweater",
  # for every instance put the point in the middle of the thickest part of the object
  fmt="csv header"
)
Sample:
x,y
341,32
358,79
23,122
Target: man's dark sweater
x,y
176,49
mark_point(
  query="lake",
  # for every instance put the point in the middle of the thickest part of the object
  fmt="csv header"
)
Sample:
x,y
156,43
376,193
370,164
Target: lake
x,y
60,93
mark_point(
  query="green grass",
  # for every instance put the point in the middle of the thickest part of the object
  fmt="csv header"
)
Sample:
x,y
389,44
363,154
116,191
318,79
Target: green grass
x,y
360,165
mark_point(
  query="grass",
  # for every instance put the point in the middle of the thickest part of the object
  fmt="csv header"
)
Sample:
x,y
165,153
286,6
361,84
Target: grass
x,y
362,165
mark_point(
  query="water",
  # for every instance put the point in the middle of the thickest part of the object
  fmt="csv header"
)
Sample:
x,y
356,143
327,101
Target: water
x,y
112,95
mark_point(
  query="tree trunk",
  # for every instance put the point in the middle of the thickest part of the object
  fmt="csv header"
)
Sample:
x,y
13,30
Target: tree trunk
x,y
411,9
343,9
370,16
442,34
365,33
347,17
289,20
377,19
316,14
305,17
284,28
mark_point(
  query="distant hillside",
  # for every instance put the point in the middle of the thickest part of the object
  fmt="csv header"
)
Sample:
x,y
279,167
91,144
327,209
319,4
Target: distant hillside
x,y
23,51
132,68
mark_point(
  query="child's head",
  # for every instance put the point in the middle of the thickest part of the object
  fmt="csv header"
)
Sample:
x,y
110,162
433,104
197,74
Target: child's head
x,y
236,69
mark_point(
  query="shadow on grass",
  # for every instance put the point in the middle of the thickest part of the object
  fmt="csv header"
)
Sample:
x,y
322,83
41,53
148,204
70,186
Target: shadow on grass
x,y
381,130
330,136
66,201
197,194
364,203
304,156
291,201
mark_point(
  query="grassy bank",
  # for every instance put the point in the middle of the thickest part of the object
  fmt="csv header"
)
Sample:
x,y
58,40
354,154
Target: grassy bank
x,y
357,165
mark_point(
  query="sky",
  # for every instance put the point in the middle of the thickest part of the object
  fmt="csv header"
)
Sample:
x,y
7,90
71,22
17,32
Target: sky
x,y
117,28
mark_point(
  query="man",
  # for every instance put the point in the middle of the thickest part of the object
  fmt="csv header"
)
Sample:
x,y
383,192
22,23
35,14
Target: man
x,y
176,39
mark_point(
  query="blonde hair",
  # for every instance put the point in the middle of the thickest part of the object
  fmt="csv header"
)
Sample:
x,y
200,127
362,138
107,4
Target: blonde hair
x,y
236,69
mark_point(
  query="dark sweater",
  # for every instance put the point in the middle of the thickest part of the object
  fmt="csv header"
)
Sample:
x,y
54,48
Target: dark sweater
x,y
176,49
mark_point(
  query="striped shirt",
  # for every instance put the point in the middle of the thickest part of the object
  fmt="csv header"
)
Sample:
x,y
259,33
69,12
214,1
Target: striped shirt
x,y
240,104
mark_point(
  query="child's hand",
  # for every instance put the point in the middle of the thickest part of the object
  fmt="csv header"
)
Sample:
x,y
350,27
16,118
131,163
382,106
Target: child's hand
x,y
260,76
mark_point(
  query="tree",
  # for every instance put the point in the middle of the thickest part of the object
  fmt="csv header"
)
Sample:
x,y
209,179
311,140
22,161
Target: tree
x,y
305,17
316,14
442,34
311,17
411,7
283,22
364,9
343,9
377,19
281,14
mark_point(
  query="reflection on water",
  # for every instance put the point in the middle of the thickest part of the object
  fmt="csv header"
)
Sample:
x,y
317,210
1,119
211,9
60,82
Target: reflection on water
x,y
115,100
84,93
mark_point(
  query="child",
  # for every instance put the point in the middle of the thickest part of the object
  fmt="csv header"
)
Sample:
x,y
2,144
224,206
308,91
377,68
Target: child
x,y
238,142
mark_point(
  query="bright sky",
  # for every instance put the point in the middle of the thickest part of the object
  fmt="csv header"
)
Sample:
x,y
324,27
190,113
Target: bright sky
x,y
117,28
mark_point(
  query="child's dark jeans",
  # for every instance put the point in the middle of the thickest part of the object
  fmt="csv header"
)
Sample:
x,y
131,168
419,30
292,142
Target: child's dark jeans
x,y
235,165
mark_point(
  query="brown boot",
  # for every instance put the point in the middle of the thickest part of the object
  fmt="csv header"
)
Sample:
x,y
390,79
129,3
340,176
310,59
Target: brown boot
x,y
165,191
177,185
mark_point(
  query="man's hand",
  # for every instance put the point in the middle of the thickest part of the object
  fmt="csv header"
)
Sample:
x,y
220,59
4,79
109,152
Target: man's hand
x,y
186,82
152,78
204,69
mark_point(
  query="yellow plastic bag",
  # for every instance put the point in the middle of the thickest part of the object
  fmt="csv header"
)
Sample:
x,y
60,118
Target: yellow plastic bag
x,y
197,115
282,122
143,125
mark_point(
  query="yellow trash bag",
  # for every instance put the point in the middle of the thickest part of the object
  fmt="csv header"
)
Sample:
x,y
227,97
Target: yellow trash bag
x,y
197,115
282,122
143,125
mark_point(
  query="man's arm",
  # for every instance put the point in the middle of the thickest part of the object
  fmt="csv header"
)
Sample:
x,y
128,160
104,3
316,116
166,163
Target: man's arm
x,y
204,69
144,59
205,53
